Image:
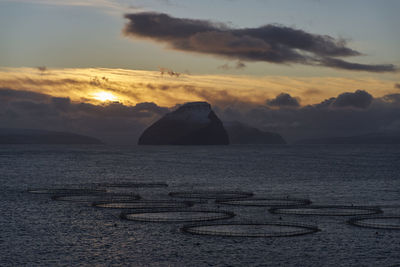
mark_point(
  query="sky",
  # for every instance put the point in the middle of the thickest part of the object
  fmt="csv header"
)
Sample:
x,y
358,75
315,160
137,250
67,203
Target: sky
x,y
303,68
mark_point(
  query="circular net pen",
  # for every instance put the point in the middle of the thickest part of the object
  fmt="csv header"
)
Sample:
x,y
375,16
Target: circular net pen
x,y
329,210
177,215
90,198
143,204
377,222
66,191
211,194
265,202
133,185
265,229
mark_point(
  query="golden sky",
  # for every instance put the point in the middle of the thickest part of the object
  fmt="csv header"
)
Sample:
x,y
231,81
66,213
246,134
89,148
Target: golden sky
x,y
98,85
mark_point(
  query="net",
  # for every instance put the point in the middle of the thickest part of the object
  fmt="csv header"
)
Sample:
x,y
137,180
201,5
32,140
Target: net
x,y
212,194
143,204
133,185
265,229
378,222
265,202
329,210
177,215
65,191
90,198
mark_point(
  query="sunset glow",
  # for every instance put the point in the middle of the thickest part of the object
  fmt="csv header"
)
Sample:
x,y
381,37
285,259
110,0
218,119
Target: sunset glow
x,y
105,96
135,86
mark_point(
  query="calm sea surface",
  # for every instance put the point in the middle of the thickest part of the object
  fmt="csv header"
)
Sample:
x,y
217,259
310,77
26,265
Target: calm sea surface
x,y
36,231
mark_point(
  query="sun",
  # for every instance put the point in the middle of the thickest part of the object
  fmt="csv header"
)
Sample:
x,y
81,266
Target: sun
x,y
104,96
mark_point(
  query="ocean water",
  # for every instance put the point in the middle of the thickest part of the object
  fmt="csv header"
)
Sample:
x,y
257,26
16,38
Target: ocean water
x,y
38,231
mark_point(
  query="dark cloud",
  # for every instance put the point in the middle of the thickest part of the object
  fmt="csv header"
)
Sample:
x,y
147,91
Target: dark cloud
x,y
169,72
99,82
341,64
42,69
397,85
283,100
270,43
238,66
358,99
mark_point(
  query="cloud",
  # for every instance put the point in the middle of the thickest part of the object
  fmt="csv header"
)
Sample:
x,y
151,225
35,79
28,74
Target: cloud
x,y
324,119
238,66
269,43
346,114
341,64
358,99
169,72
397,86
42,69
7,95
283,100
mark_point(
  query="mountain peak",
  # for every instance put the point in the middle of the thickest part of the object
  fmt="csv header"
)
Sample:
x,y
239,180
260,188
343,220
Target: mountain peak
x,y
193,123
191,111
196,105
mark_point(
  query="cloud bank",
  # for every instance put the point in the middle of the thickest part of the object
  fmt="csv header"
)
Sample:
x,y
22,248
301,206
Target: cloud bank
x,y
283,100
268,43
358,99
349,113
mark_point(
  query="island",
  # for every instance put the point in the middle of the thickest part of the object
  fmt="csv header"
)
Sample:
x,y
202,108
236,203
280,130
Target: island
x,y
193,123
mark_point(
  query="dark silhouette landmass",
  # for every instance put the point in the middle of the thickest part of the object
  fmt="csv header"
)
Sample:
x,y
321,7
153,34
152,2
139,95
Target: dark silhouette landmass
x,y
32,136
240,133
372,138
191,124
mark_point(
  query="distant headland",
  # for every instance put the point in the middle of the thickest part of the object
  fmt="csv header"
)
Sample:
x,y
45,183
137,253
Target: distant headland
x,y
34,136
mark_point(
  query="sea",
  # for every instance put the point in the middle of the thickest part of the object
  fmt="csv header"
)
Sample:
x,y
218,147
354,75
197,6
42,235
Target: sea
x,y
38,231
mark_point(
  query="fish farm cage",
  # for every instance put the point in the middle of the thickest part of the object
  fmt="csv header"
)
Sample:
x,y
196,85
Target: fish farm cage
x,y
265,202
327,210
133,185
143,204
251,229
176,215
389,222
66,191
96,197
211,194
